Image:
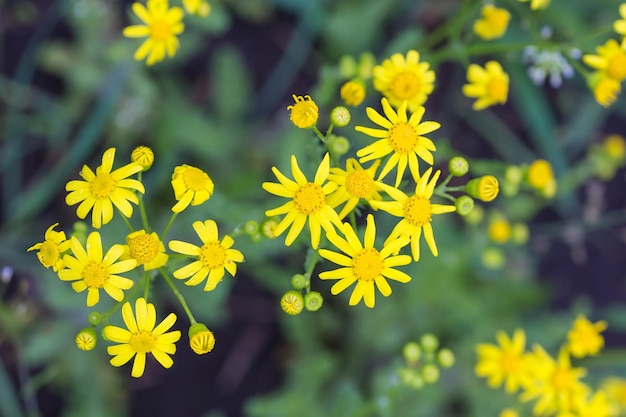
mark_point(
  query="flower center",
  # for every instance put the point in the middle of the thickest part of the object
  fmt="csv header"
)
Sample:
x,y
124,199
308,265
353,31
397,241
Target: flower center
x,y
103,185
403,138
561,380
160,30
142,342
510,363
304,113
309,199
195,179
497,89
616,68
48,254
213,255
367,265
417,210
405,85
359,183
95,274
143,248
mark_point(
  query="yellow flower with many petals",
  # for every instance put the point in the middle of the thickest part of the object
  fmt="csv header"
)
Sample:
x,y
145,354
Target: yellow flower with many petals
x,y
620,25
308,201
605,89
493,22
404,79
212,258
416,212
505,363
161,25
490,85
610,61
146,249
364,264
104,189
304,113
142,337
92,271
197,7
51,250
191,186
399,136
537,4
584,338
355,183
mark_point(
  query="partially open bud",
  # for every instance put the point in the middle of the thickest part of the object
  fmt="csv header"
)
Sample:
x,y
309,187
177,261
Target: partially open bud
x,y
292,303
143,156
201,339
340,116
86,339
484,188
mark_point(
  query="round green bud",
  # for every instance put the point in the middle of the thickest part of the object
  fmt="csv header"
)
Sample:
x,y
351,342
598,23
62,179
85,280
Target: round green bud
x,y
80,227
430,373
257,237
411,378
347,66
458,166
412,352
475,216
513,174
291,302
519,233
94,318
464,205
86,339
313,301
251,227
338,145
340,116
493,258
445,357
299,281
429,342
268,227
367,61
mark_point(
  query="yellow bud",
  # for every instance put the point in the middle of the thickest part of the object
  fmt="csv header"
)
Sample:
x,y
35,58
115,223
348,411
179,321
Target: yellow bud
x,y
201,339
485,188
86,339
143,156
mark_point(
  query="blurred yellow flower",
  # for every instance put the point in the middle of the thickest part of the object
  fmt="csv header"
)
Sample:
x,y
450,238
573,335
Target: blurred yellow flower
x,y
146,249
304,113
611,60
508,412
539,174
191,186
493,22
584,339
615,147
404,79
161,25
490,85
197,7
499,230
620,25
596,406
352,92
537,4
354,183
605,89
51,250
615,389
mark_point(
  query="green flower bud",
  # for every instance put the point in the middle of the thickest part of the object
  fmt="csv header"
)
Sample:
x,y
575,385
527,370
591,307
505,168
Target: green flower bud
x,y
493,258
411,378
268,226
340,116
429,342
251,227
430,373
520,233
367,61
313,301
299,281
338,145
475,216
458,166
347,66
514,174
445,357
94,318
291,302
257,237
86,339
464,205
412,352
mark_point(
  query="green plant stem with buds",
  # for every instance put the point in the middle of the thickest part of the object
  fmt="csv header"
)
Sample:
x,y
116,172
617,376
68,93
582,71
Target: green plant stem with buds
x,y
142,209
178,295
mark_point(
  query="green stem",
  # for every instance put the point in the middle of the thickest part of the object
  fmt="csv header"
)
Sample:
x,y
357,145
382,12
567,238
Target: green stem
x,y
178,295
319,134
146,288
142,209
130,227
168,225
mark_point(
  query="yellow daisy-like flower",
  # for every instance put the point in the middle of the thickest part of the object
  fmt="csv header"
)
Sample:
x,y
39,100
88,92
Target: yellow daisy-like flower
x,y
505,363
556,385
540,174
52,248
493,22
308,202
399,136
352,92
611,60
355,183
197,7
364,264
585,339
605,89
104,189
147,249
142,337
161,25
490,85
404,79
304,113
620,25
212,258
416,212
92,271
537,4
191,186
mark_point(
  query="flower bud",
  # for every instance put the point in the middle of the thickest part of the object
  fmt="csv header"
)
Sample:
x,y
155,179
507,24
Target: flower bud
x,y
475,216
143,156
268,227
201,339
539,174
347,66
464,205
513,174
429,342
430,373
352,93
251,227
519,233
313,301
340,116
493,258
484,188
412,352
445,357
499,230
292,303
411,378
94,318
299,281
86,339
458,166
338,145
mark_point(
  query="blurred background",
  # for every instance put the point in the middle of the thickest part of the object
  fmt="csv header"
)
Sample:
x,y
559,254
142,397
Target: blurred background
x,y
69,89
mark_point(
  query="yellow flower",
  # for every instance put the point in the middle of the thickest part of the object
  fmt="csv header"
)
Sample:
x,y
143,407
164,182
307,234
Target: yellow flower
x,y
399,136
615,147
539,174
352,93
142,337
416,212
91,271
490,85
404,79
537,4
201,339
304,113
611,60
605,89
191,186
52,248
197,7
308,201
485,188
508,412
499,230
211,258
364,264
584,339
493,22
615,389
597,406
620,25
505,363
143,156
104,189
146,249
161,25
355,183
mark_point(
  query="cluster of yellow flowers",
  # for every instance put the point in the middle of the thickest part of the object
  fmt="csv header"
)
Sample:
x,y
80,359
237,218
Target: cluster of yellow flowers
x,y
552,384
89,266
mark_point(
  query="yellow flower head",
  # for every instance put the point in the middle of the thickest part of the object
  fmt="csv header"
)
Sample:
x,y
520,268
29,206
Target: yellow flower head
x,y
537,4
485,188
142,337
620,25
615,389
86,339
104,189
355,183
611,60
201,339
212,258
404,79
605,89
615,147
352,93
584,338
161,25
416,212
146,249
598,405
197,7
493,22
51,250
505,363
143,156
308,201
191,186
292,302
539,174
90,270
304,113
364,264
499,230
400,136
490,85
